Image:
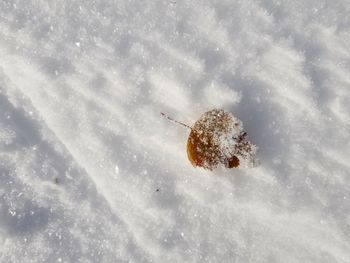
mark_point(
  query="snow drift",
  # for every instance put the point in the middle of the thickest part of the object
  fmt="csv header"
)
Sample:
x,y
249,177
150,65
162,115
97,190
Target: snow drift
x,y
90,172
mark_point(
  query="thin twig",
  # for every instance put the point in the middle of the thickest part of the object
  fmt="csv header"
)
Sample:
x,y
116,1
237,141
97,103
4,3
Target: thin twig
x,y
171,119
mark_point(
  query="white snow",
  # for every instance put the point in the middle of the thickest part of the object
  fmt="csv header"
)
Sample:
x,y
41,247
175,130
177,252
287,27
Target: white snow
x,y
91,172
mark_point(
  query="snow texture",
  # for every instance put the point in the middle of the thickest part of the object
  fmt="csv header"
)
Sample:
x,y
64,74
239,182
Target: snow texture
x,y
90,171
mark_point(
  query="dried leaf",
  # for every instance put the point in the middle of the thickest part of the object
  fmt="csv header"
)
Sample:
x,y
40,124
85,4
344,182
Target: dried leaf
x,y
218,138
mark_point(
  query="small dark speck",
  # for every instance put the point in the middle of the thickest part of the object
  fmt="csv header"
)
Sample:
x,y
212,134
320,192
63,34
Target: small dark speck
x,y
56,180
157,190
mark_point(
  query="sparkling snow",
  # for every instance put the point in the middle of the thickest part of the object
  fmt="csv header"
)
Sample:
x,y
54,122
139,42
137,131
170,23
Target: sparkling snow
x,y
91,172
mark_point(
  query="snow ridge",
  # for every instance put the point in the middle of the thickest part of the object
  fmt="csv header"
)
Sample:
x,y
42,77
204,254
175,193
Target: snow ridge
x,y
82,84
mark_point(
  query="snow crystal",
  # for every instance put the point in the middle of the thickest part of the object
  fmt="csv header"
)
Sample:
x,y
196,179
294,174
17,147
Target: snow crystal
x,y
116,169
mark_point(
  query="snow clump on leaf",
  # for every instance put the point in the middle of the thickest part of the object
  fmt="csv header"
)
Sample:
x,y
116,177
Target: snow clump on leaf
x,y
218,138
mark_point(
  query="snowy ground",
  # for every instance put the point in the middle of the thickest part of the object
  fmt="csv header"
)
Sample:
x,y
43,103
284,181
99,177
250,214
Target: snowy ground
x,y
90,171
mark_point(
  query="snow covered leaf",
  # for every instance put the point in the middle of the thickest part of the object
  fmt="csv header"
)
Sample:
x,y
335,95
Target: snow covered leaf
x,y
218,138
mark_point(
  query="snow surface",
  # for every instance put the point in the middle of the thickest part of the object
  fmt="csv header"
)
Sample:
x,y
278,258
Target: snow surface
x,y
91,172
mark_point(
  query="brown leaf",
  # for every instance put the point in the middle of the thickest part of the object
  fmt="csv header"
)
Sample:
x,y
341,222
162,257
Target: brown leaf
x,y
218,138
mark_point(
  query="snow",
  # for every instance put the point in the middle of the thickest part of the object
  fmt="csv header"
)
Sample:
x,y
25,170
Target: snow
x,y
91,172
